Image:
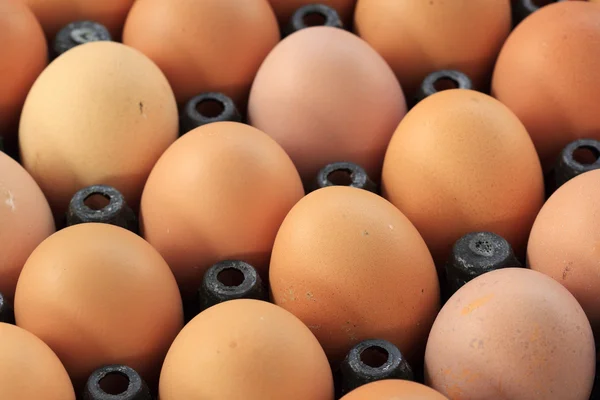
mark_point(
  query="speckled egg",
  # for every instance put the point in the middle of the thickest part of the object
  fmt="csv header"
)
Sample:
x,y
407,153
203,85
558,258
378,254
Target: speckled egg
x,y
515,334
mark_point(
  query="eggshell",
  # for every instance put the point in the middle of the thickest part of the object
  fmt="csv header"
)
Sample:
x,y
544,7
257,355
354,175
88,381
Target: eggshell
x,y
514,334
98,294
29,369
352,267
218,193
26,221
102,113
23,56
284,9
55,14
204,46
326,96
564,241
246,350
546,74
394,389
461,162
420,37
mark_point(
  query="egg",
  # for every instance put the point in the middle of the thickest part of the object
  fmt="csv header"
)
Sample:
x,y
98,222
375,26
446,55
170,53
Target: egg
x,y
26,221
218,193
564,238
545,75
515,334
204,46
98,294
23,56
352,267
284,9
29,369
102,113
55,14
418,37
394,389
326,96
460,162
246,350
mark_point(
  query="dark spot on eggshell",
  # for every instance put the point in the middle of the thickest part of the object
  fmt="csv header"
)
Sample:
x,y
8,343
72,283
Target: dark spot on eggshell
x,y
566,272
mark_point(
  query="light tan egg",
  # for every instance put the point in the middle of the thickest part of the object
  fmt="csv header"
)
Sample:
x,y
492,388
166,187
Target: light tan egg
x,y
101,113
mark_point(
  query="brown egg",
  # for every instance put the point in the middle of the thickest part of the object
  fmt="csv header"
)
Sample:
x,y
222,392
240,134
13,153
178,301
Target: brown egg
x,y
546,75
326,96
23,56
417,37
352,267
26,221
246,350
284,9
102,113
564,241
511,334
29,369
204,46
394,389
98,294
460,162
55,14
218,193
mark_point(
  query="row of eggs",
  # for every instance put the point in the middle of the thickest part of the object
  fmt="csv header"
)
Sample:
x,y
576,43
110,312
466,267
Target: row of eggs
x,y
105,113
